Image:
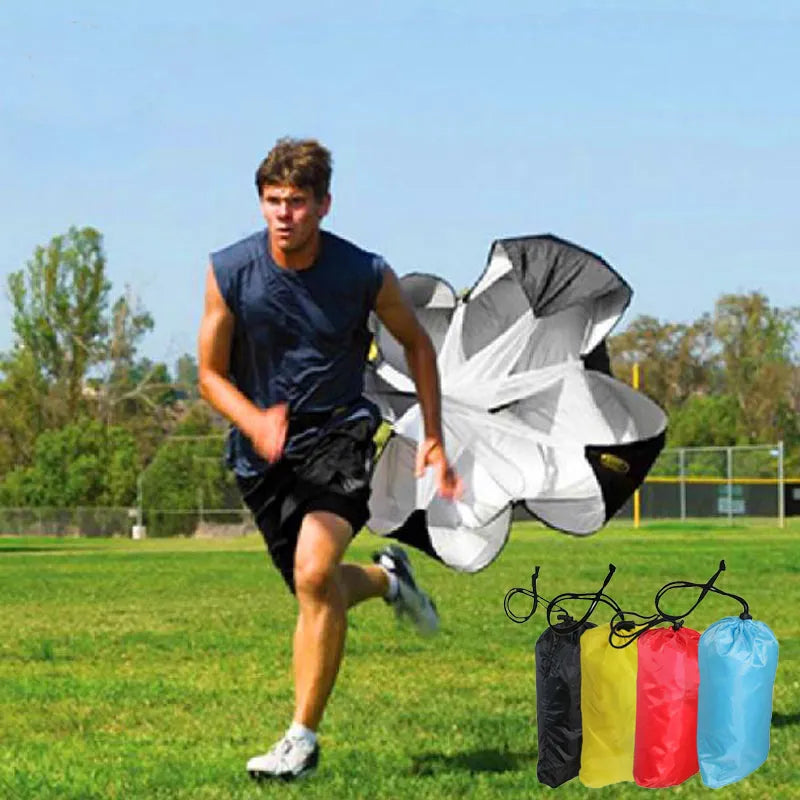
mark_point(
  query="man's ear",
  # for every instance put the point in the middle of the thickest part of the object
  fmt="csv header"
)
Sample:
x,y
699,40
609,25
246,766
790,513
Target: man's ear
x,y
325,205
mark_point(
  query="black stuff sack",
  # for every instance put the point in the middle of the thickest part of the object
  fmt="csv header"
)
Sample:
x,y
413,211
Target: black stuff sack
x,y
558,704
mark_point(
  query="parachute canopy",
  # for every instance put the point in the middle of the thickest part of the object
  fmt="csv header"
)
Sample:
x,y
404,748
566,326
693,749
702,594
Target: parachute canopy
x,y
530,411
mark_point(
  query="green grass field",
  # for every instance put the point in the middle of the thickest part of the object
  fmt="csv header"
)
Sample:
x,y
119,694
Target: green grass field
x,y
154,669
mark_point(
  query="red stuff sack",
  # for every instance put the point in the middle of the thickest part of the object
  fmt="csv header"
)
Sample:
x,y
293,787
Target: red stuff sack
x,y
665,747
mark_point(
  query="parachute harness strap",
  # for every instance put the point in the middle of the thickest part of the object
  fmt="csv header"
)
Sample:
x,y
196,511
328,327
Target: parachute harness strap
x,y
595,599
534,594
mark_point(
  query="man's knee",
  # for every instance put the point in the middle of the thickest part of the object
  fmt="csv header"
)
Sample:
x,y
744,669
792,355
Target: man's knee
x,y
322,541
314,577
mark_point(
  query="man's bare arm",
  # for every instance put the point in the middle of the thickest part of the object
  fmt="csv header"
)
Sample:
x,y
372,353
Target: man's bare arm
x,y
265,428
396,313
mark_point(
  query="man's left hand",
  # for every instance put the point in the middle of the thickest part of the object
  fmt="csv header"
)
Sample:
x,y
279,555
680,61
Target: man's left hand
x,y
430,453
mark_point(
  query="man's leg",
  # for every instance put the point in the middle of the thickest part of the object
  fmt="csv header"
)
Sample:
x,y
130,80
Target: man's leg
x,y
361,582
325,589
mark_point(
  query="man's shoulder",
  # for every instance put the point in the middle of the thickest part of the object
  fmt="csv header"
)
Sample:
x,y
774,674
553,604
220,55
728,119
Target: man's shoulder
x,y
241,253
342,248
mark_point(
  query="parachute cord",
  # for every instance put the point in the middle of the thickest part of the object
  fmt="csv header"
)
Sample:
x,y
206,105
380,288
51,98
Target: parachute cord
x,y
706,588
621,628
745,607
595,599
628,631
533,594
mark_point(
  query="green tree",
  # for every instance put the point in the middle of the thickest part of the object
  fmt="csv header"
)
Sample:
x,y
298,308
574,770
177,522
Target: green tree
x,y
24,410
730,377
129,321
186,377
85,463
135,392
127,384
59,302
145,402
74,356
187,471
704,421
675,360
757,351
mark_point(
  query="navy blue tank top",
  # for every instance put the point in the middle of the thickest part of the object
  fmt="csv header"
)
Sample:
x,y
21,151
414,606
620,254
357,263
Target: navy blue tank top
x,y
300,336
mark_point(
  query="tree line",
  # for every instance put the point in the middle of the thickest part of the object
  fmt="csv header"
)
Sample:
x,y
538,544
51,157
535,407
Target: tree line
x,y
731,377
83,414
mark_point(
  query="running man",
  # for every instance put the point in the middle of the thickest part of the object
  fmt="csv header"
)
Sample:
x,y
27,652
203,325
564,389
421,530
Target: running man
x,y
282,349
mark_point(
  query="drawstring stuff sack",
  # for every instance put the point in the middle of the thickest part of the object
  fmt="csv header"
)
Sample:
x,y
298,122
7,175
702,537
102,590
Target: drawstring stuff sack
x,y
558,681
665,746
667,682
608,708
657,712
558,703
738,659
607,692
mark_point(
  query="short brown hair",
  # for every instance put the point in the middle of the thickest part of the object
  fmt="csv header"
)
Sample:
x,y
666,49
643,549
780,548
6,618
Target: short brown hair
x,y
303,163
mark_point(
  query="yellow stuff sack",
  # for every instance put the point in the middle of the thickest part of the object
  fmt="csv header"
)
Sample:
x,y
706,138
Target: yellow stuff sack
x,y
608,708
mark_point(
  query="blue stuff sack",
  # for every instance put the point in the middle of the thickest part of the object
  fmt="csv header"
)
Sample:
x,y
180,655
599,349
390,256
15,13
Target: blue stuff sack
x,y
738,659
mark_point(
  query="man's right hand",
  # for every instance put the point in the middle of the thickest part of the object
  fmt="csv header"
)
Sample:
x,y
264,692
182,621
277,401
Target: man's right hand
x,y
267,431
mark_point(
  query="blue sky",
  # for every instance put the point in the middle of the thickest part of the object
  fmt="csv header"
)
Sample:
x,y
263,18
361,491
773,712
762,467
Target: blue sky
x,y
663,135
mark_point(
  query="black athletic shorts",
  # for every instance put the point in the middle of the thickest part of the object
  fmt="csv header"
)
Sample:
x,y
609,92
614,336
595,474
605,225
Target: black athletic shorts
x,y
329,470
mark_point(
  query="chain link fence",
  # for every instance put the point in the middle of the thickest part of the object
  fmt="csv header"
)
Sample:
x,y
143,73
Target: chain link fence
x,y
714,483
88,521
709,483
79,521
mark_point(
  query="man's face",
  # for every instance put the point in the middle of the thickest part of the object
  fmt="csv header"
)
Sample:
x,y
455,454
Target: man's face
x,y
292,215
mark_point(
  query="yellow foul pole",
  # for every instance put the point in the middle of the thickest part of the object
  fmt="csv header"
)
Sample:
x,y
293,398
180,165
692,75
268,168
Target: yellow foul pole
x,y
637,503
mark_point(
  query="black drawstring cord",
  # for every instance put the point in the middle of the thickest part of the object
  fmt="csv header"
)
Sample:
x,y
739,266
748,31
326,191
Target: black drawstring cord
x,y
706,587
595,598
533,593
624,630
622,627
628,630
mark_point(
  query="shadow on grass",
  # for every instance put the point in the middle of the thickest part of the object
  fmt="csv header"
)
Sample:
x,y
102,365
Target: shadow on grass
x,y
43,548
474,761
786,720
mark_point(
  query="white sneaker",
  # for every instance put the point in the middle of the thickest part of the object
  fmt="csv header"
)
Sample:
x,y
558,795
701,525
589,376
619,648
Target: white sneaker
x,y
288,760
411,601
